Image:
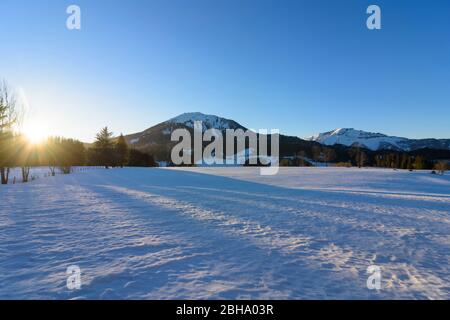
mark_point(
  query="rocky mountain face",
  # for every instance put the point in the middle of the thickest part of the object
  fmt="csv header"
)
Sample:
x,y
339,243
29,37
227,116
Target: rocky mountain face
x,y
377,141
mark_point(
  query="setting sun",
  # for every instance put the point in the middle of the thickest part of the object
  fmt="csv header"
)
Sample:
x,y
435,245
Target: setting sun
x,y
36,133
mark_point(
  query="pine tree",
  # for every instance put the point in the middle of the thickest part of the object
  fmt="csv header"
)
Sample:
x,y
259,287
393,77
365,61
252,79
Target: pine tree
x,y
104,148
122,151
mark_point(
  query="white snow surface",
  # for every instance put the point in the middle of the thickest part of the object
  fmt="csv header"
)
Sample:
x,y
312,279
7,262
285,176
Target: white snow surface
x,y
227,233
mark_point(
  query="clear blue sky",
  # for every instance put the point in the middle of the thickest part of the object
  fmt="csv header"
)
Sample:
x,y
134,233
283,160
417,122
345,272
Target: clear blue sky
x,y
300,66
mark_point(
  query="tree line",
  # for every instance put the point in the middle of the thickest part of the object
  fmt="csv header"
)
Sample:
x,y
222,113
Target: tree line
x,y
109,152
56,152
296,152
62,154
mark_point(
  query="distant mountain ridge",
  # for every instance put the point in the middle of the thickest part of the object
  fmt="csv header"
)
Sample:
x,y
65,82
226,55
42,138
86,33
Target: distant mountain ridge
x,y
156,140
376,141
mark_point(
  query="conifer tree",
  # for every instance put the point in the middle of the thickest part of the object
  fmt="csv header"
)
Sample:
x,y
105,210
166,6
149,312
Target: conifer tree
x,y
104,148
122,151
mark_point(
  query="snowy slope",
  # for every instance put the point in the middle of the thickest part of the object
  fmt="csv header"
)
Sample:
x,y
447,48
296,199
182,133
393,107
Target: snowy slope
x,y
209,121
227,233
376,141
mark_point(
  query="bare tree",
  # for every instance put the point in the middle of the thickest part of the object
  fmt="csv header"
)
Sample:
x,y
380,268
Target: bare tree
x,y
25,156
8,118
441,166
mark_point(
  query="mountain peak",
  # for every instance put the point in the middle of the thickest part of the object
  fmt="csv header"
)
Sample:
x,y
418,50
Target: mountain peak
x,y
342,130
353,137
209,121
192,116
355,133
375,141
160,134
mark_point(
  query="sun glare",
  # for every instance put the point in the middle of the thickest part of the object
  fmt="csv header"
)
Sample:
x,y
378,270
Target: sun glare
x,y
35,133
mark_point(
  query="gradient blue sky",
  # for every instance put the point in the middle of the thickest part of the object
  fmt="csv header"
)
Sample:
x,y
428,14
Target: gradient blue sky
x,y
300,66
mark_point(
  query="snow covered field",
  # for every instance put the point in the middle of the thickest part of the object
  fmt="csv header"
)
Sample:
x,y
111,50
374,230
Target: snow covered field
x,y
210,233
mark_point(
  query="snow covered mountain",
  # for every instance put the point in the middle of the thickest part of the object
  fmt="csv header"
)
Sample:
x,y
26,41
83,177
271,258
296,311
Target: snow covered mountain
x,y
159,135
209,121
377,141
162,132
157,139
